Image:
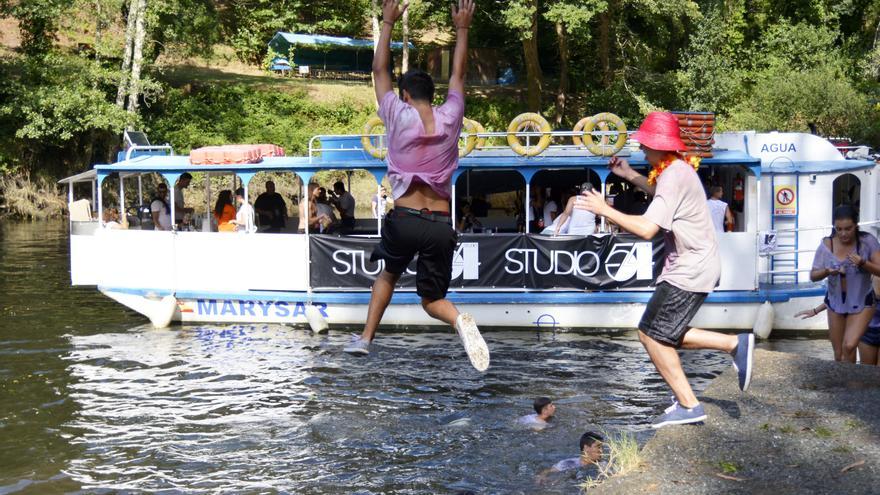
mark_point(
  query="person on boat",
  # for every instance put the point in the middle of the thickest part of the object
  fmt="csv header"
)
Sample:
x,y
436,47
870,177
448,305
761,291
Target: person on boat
x,y
847,258
271,209
550,210
479,206
544,411
111,220
380,203
244,219
721,215
325,210
583,222
224,212
692,268
316,221
869,344
422,156
345,203
160,210
180,209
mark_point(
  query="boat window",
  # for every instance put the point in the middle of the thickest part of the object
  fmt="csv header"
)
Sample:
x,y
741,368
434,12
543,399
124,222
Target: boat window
x,y
275,197
732,181
847,190
490,201
550,191
349,202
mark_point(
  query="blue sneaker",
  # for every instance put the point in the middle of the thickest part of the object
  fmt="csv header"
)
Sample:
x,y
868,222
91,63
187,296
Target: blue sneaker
x,y
742,359
678,415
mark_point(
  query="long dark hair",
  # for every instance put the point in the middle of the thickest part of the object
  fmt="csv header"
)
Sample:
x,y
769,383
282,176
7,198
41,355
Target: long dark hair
x,y
223,199
846,212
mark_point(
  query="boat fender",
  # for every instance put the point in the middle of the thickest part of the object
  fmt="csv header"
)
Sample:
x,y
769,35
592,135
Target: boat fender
x,y
601,148
367,140
470,137
764,321
316,320
522,122
579,127
162,311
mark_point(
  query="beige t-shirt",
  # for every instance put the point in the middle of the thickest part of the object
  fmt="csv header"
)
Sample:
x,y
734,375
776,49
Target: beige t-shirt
x,y
679,208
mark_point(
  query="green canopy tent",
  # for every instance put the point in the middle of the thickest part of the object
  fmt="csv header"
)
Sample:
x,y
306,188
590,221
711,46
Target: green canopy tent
x,y
332,53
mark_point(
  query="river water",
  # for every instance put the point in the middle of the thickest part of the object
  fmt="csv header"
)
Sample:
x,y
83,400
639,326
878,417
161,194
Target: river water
x,y
93,400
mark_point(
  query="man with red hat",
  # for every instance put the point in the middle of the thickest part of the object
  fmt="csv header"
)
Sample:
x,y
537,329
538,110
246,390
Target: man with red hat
x,y
692,268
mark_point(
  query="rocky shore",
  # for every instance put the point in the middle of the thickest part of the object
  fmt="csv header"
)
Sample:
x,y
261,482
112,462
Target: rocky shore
x,y
805,426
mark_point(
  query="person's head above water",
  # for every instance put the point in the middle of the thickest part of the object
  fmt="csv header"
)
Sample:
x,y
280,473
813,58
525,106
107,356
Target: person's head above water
x,y
591,446
416,86
544,407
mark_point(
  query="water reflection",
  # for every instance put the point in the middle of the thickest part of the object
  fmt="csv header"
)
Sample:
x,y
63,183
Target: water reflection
x,y
275,408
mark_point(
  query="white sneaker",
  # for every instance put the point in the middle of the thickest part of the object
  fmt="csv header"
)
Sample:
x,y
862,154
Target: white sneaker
x,y
358,346
474,344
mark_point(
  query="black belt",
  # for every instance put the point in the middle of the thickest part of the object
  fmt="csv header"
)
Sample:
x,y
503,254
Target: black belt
x,y
433,216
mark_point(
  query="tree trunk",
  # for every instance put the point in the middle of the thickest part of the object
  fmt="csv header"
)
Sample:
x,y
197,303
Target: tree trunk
x,y
563,72
533,64
604,47
404,62
374,18
126,55
137,57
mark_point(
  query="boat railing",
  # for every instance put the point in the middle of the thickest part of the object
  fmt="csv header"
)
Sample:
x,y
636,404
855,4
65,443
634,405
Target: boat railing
x,y
771,254
531,138
148,148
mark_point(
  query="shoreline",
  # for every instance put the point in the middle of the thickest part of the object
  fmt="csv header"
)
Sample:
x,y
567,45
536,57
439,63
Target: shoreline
x,y
806,425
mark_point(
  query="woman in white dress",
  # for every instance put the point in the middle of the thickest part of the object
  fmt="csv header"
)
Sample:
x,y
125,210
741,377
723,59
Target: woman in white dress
x,y
580,221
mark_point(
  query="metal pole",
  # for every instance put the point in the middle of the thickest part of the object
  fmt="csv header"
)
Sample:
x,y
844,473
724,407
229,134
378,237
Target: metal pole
x,y
380,208
100,213
140,192
454,223
121,197
171,189
528,207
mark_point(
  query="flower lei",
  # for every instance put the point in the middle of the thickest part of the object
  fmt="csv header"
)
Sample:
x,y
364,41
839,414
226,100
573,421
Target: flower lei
x,y
693,161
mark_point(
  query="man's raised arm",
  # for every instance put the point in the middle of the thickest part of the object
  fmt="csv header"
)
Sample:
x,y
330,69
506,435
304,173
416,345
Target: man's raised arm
x,y
461,18
391,11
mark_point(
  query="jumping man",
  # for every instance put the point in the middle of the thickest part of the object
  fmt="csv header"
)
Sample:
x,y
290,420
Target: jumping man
x,y
692,269
422,155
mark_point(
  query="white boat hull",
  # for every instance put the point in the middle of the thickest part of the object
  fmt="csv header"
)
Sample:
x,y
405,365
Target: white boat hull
x,y
721,316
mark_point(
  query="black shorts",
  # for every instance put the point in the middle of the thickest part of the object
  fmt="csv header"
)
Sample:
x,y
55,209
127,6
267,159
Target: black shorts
x,y
404,236
669,313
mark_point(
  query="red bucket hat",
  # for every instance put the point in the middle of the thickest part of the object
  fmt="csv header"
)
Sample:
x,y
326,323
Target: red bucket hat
x,y
660,131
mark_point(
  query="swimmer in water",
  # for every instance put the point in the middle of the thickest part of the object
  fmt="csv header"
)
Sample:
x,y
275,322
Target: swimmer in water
x,y
545,409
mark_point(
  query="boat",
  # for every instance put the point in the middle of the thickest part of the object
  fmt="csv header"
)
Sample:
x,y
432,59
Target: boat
x,y
782,186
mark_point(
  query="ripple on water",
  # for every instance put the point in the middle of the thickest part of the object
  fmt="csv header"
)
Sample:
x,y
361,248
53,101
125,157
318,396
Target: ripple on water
x,y
160,411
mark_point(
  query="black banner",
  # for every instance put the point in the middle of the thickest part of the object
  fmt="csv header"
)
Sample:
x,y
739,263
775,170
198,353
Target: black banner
x,y
503,261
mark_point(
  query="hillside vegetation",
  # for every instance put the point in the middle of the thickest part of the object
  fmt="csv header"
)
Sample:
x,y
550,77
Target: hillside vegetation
x,y
75,73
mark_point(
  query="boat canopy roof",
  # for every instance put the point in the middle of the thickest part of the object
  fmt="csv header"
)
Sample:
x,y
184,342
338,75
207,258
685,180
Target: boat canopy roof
x,y
490,160
762,153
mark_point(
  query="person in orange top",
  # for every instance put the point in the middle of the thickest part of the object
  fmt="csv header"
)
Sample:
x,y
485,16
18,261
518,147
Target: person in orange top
x,y
224,212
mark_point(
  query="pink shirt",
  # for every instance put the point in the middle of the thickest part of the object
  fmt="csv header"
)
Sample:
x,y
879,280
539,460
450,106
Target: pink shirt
x,y
412,155
679,208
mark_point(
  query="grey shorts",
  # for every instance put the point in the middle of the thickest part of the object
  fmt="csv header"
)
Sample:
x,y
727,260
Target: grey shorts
x,y
669,313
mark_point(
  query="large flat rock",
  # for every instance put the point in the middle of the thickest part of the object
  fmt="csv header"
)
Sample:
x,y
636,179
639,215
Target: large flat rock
x,y
805,426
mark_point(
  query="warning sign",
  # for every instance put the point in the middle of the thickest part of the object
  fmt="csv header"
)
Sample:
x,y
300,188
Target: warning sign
x,y
785,200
